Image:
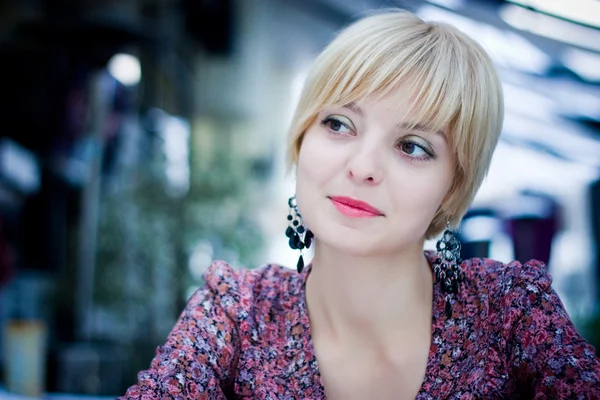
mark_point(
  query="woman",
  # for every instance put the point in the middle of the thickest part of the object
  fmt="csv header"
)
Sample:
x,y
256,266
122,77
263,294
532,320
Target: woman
x,y
392,137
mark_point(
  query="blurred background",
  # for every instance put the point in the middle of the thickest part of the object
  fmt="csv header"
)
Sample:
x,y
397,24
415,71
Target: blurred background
x,y
140,139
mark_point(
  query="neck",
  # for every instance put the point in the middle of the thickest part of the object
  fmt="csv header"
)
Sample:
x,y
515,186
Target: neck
x,y
358,298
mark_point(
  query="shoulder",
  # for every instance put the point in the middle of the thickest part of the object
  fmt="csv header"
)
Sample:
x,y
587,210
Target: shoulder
x,y
498,278
223,278
239,291
502,293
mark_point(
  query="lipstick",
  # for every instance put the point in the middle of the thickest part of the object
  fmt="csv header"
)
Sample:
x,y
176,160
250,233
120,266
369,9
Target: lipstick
x,y
355,208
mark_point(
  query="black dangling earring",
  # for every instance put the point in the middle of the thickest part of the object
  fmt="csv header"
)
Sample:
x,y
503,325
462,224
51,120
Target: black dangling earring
x,y
299,237
447,266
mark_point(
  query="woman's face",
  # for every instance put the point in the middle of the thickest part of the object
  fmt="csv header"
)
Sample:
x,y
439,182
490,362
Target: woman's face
x,y
368,185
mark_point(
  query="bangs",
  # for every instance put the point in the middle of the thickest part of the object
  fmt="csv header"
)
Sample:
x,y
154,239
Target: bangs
x,y
426,63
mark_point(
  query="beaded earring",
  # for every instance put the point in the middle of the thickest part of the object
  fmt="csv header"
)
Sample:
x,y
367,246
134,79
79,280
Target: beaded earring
x,y
448,272
299,237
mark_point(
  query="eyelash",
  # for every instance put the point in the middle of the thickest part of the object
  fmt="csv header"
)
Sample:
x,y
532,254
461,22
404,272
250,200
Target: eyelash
x,y
428,154
326,123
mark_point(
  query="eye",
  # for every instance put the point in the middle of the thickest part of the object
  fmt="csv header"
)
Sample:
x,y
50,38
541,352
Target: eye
x,y
414,150
338,125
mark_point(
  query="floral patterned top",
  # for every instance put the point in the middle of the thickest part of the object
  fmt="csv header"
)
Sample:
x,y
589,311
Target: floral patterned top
x,y
246,335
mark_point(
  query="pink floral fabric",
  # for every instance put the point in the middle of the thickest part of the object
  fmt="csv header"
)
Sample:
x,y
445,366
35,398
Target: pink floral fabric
x,y
246,335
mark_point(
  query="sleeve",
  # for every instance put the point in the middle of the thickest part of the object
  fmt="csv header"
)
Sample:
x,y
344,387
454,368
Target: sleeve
x,y
197,360
550,359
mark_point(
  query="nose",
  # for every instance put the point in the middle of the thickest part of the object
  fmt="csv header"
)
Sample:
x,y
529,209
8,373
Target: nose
x,y
364,167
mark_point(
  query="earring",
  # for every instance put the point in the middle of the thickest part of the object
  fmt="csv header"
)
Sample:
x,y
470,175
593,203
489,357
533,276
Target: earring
x,y
447,266
299,237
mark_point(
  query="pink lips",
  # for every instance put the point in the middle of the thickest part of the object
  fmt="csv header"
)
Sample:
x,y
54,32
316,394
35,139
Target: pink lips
x,y
355,208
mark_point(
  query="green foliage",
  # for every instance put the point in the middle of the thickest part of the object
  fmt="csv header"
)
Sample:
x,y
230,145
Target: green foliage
x,y
147,234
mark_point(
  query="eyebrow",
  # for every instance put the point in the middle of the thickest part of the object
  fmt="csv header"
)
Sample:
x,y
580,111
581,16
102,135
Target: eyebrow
x,y
420,128
354,107
403,125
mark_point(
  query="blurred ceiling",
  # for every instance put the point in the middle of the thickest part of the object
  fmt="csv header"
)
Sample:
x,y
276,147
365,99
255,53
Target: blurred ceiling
x,y
548,52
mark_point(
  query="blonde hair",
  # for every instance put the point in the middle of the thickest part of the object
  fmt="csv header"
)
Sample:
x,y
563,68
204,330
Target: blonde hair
x,y
453,81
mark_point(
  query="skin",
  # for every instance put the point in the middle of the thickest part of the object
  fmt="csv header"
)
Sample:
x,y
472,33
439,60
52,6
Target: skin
x,y
369,294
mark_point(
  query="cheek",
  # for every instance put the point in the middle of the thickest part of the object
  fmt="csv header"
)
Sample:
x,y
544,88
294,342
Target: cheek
x,y
317,167
419,195
316,162
428,188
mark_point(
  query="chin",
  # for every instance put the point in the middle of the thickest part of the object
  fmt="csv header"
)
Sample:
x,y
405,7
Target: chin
x,y
365,242
350,241
351,250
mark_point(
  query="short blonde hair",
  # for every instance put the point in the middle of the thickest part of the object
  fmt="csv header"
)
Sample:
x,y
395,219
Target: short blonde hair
x,y
455,85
